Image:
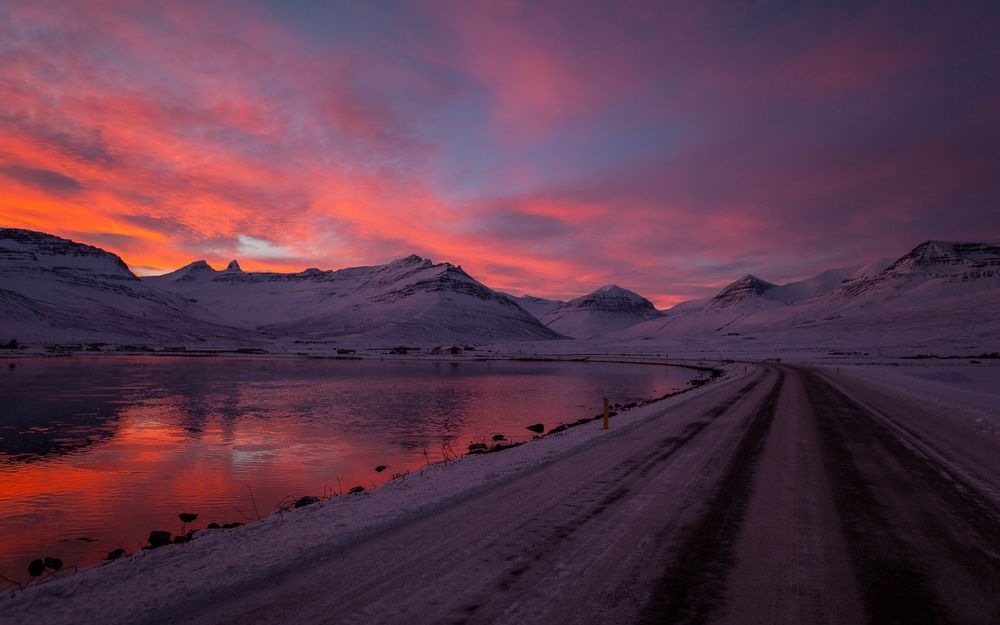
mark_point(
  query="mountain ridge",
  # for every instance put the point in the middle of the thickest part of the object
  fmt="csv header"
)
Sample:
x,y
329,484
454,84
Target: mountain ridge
x,y
53,288
49,284
607,309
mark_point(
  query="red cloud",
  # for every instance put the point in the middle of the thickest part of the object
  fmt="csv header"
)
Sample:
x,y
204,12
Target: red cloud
x,y
666,148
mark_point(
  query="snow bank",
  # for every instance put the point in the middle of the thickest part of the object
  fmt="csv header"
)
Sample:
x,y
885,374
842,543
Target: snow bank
x,y
969,392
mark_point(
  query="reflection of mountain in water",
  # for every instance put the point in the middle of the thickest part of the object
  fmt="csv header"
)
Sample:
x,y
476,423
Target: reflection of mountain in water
x,y
32,427
57,406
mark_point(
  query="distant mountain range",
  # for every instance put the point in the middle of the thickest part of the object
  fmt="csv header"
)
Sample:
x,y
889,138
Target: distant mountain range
x,y
56,290
940,293
410,300
52,289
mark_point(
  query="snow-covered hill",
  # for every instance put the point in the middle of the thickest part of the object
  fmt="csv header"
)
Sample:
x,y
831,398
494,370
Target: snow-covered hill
x,y
608,309
53,289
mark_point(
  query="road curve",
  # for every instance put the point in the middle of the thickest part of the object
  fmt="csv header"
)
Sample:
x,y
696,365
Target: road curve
x,y
791,497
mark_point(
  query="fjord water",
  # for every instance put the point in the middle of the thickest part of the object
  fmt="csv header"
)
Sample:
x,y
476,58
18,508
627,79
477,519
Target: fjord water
x,y
95,452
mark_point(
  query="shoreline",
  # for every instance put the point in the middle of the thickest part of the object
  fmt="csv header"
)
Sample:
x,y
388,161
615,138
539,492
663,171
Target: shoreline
x,y
355,516
700,371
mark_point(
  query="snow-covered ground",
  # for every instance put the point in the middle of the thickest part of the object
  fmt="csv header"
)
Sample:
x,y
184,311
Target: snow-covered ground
x,y
968,392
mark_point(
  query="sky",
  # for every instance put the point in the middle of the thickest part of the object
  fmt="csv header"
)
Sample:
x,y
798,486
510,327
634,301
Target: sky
x,y
547,147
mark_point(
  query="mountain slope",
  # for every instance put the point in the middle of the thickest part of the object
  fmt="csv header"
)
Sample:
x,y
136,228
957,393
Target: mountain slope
x,y
932,269
408,300
54,289
747,290
537,306
608,309
940,292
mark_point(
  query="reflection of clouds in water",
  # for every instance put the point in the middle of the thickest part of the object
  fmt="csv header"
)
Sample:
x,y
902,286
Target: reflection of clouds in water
x,y
69,405
243,458
180,433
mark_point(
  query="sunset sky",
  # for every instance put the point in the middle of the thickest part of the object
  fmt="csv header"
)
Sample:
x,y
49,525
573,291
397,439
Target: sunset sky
x,y
547,147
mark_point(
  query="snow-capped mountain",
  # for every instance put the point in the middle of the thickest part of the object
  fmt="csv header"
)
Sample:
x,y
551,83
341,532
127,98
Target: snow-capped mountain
x,y
749,288
919,297
932,269
54,289
751,292
608,309
409,300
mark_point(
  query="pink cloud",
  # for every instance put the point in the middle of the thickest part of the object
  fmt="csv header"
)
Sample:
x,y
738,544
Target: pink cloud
x,y
667,148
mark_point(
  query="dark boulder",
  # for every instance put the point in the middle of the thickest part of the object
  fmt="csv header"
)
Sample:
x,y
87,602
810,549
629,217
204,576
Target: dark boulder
x,y
158,538
308,500
114,555
537,428
478,448
36,567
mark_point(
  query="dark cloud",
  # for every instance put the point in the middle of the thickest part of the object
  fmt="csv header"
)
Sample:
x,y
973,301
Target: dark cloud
x,y
157,224
510,223
80,144
121,243
44,179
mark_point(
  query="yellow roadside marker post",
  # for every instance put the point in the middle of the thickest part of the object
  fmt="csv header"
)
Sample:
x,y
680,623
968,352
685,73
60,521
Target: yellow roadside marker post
x,y
605,414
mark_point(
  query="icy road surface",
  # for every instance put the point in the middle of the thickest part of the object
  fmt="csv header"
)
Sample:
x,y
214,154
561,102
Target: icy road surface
x,y
790,496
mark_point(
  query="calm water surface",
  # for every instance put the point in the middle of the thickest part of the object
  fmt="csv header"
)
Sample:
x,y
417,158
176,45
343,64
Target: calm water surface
x,y
96,452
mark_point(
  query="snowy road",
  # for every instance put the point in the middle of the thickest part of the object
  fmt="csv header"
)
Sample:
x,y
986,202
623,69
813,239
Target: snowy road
x,y
784,502
792,496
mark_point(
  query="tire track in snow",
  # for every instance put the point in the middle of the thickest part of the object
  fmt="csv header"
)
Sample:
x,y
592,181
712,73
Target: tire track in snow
x,y
624,475
907,518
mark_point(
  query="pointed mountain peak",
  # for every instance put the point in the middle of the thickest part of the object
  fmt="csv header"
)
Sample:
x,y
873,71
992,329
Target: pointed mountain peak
x,y
753,280
612,297
611,288
613,291
454,269
412,259
187,273
233,266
